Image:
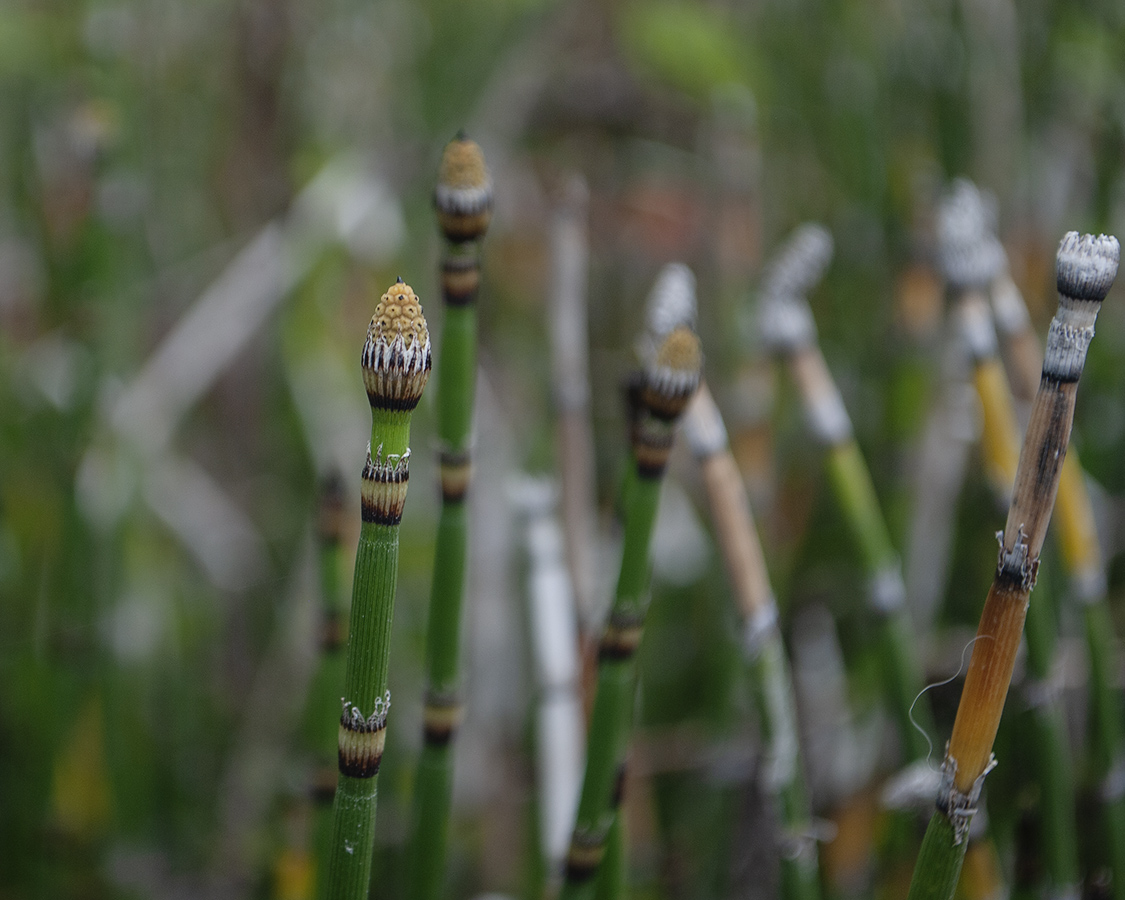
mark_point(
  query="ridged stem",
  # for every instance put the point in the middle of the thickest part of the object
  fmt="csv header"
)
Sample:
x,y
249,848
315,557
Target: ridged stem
x,y
1106,715
1082,557
612,874
365,685
612,717
456,377
1086,269
769,666
1000,444
1051,754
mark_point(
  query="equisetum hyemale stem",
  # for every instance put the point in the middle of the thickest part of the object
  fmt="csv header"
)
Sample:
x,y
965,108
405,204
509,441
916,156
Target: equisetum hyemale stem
x,y
1087,266
571,391
396,364
671,374
773,690
463,202
1081,556
788,329
973,259
325,688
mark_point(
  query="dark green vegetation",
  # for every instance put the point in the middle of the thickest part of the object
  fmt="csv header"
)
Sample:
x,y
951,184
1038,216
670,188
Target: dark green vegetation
x,y
200,204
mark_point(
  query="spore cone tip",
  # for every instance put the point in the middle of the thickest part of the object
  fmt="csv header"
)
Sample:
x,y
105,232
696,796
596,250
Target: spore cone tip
x,y
969,253
463,196
671,302
397,355
673,376
801,262
1087,265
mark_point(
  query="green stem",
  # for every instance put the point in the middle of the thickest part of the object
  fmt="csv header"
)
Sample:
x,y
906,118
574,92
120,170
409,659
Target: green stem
x,y
1049,748
612,874
365,683
456,376
1106,714
902,676
855,493
353,830
434,780
939,861
612,716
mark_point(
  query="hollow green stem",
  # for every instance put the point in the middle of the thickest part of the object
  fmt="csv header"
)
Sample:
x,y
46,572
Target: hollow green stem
x,y
612,875
902,676
1106,714
396,364
463,200
1050,752
612,715
1086,268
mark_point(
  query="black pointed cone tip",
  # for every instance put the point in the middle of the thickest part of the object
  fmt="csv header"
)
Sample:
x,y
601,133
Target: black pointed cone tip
x,y
461,135
1087,265
399,280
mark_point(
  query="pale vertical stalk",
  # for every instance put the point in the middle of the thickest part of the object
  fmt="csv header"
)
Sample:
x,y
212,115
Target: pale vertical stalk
x,y
1087,267
396,364
560,722
463,202
672,369
782,777
569,375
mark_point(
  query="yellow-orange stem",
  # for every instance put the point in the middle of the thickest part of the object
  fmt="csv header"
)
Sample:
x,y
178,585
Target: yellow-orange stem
x,y
987,681
1000,435
1077,531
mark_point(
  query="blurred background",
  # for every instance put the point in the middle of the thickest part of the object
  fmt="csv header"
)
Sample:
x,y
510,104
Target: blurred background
x,y
200,203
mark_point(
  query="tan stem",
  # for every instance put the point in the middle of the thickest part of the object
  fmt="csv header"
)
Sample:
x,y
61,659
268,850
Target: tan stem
x,y
987,681
734,528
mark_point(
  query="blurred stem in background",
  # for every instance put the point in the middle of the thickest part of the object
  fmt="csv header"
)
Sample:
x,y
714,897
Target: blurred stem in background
x,y
571,386
559,719
788,329
332,636
781,775
672,360
463,200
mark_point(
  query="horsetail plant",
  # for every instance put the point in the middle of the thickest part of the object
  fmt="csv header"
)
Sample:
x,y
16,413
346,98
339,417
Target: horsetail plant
x,y
972,258
553,637
463,202
765,650
788,329
396,364
331,665
1081,556
672,364
1086,268
571,389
